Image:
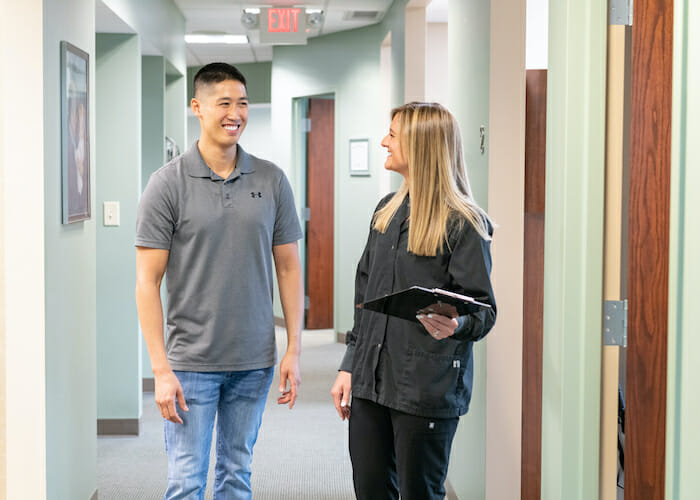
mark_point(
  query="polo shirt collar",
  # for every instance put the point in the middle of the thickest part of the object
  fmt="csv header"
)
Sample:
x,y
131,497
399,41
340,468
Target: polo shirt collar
x,y
197,167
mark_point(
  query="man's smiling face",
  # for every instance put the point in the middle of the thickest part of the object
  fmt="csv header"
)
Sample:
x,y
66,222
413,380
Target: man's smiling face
x,y
222,109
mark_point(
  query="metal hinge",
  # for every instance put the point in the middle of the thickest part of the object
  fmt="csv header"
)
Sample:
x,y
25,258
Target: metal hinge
x,y
621,12
615,323
305,214
307,302
306,125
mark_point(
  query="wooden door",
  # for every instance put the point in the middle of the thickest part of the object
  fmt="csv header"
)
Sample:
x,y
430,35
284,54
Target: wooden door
x,y
648,258
320,155
533,282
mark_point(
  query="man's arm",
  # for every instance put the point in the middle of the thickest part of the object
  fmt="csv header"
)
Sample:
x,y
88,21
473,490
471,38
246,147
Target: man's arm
x,y
150,268
291,288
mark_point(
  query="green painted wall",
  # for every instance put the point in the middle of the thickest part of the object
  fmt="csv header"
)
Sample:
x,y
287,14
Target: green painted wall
x,y
468,99
159,23
346,65
258,78
71,446
118,87
175,112
152,116
573,249
683,437
152,142
468,85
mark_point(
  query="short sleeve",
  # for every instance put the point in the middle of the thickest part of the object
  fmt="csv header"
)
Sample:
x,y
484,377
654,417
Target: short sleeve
x,y
287,228
155,218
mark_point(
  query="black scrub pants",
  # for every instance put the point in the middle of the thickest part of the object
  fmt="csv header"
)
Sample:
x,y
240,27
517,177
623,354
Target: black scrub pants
x,y
394,452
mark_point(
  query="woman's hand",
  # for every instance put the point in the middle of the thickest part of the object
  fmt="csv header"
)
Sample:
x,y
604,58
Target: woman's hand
x,y
439,327
341,394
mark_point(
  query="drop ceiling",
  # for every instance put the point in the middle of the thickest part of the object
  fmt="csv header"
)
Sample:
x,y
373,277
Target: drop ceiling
x,y
224,16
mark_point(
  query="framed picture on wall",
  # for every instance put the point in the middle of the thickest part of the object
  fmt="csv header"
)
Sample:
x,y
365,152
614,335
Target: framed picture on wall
x,y
75,134
359,157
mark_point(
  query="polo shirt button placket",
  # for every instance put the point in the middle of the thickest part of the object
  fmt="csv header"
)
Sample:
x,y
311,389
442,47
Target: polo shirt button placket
x,y
226,189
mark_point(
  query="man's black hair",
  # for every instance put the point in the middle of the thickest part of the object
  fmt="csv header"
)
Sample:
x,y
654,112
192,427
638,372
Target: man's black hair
x,y
215,73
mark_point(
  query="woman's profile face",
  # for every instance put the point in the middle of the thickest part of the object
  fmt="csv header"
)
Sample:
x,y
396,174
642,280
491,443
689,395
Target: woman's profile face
x,y
396,159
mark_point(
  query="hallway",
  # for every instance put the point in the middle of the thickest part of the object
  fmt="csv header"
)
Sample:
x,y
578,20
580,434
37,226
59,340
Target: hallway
x,y
300,454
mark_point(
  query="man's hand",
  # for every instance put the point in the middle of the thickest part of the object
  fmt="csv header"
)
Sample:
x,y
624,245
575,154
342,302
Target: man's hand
x,y
439,327
168,389
289,372
341,394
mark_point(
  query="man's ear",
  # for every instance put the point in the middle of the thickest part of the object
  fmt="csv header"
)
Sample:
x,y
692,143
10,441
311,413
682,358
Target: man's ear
x,y
194,105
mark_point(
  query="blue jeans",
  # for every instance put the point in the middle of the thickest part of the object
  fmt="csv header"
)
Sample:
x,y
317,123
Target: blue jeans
x,y
239,399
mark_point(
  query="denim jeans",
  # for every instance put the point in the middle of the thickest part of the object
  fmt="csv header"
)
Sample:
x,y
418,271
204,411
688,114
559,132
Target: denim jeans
x,y
238,397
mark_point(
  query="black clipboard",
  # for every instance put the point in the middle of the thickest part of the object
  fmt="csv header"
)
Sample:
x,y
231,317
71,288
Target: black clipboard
x,y
407,303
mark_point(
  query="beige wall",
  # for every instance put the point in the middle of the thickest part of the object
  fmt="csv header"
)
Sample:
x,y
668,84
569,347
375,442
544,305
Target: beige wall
x,y
22,397
506,207
436,64
415,44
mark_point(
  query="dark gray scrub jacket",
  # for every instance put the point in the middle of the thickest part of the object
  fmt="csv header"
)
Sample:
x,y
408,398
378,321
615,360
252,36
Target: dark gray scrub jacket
x,y
395,362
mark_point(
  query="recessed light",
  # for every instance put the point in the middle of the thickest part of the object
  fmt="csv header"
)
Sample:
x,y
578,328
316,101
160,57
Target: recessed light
x,y
225,39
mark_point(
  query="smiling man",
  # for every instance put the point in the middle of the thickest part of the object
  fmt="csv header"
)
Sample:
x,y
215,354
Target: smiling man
x,y
214,218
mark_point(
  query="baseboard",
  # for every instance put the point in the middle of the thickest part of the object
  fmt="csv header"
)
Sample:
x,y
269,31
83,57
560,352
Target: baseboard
x,y
450,491
118,426
279,322
94,496
149,384
340,337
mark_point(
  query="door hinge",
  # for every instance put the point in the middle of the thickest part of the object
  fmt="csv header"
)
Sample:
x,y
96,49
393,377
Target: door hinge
x,y
307,302
615,322
305,214
621,12
306,125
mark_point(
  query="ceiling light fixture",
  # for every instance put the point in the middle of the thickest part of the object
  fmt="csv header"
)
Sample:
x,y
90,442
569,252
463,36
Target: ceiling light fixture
x,y
251,10
223,39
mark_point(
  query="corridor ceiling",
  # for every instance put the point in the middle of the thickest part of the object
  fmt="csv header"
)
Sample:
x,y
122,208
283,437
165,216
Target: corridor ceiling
x,y
224,16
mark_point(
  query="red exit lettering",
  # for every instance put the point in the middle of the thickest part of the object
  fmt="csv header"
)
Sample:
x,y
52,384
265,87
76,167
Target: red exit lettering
x,y
282,20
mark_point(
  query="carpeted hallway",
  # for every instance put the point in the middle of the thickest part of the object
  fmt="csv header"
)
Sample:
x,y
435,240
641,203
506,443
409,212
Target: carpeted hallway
x,y
300,454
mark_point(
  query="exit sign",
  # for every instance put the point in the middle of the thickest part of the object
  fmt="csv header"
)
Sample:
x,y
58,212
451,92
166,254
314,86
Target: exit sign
x,y
283,25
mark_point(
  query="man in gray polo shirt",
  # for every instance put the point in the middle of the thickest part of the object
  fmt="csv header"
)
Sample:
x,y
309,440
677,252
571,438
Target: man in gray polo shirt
x,y
214,218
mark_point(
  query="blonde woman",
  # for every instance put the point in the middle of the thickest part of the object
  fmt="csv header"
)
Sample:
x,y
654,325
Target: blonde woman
x,y
411,381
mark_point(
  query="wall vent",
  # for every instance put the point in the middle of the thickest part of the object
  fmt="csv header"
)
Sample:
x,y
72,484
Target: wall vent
x,y
361,15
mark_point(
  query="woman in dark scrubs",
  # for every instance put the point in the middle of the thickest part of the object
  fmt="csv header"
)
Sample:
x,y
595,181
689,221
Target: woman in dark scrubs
x,y
411,381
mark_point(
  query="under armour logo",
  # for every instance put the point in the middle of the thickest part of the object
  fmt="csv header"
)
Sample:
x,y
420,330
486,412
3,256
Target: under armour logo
x,y
256,195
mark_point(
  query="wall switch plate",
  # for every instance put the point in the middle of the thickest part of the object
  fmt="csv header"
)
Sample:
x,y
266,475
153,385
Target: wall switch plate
x,y
111,213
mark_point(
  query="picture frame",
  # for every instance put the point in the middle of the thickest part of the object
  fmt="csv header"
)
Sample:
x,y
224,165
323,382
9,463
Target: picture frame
x,y
359,157
75,134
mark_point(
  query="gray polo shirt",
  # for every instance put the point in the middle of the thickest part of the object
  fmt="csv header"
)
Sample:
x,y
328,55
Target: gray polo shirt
x,y
220,235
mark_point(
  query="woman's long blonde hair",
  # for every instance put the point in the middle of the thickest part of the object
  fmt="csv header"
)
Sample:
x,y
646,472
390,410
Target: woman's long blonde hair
x,y
437,179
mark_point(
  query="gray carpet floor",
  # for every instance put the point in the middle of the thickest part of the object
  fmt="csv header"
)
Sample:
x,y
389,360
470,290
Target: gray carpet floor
x,y
301,454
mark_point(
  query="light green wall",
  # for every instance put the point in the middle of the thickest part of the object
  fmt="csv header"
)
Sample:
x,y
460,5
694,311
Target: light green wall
x,y
71,446
683,437
175,112
468,99
468,85
152,142
258,79
344,64
573,249
152,116
118,87
159,23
